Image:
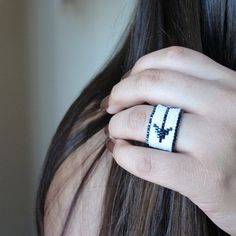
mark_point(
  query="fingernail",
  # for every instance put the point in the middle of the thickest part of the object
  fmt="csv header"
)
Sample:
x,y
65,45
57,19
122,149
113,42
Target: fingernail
x,y
110,145
126,74
106,131
104,103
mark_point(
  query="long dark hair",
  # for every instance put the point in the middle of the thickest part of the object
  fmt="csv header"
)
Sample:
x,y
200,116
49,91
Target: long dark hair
x,y
141,207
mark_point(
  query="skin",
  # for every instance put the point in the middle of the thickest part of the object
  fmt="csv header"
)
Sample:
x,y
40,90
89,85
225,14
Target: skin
x,y
203,166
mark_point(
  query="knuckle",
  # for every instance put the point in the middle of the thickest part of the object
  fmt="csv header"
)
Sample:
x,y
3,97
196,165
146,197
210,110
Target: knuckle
x,y
144,165
175,52
114,94
112,125
147,80
140,62
229,95
220,183
222,91
214,179
137,118
220,180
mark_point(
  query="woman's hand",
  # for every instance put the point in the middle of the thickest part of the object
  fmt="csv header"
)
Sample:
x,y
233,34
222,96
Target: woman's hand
x,y
203,168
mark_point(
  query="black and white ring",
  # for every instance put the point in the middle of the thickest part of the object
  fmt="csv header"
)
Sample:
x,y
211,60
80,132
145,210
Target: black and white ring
x,y
163,126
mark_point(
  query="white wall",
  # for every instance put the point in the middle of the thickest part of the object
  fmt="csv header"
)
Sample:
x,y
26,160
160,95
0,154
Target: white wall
x,y
68,45
49,50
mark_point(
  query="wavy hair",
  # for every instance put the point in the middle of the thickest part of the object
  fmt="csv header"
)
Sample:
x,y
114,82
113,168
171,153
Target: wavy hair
x,y
141,207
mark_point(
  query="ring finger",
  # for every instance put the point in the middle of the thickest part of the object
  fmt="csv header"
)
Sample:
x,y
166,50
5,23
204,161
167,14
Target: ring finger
x,y
131,124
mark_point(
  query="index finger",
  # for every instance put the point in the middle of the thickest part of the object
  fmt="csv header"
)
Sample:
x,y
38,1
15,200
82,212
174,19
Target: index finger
x,y
184,60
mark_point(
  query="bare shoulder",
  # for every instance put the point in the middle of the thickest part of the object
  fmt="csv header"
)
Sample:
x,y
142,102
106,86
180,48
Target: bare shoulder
x,y
87,212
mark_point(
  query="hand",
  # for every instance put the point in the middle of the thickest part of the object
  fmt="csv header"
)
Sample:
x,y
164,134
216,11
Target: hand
x,y
203,168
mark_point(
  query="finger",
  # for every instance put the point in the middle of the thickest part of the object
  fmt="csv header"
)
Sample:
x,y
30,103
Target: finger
x,y
166,87
184,60
132,123
176,171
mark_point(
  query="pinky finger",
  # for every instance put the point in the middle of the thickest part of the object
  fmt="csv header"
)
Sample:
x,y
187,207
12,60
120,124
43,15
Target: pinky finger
x,y
176,171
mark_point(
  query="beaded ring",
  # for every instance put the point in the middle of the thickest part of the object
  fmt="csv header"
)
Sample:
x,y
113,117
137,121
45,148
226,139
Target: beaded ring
x,y
163,126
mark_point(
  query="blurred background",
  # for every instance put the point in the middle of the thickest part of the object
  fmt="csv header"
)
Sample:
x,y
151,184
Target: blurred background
x,y
49,50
